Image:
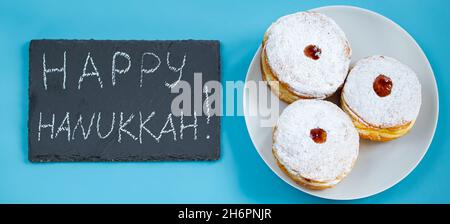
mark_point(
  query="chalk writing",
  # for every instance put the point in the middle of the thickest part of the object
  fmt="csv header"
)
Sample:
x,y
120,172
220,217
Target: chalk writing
x,y
94,73
111,100
46,70
119,71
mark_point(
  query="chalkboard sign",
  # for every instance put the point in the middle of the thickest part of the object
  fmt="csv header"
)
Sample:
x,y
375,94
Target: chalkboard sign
x,y
101,100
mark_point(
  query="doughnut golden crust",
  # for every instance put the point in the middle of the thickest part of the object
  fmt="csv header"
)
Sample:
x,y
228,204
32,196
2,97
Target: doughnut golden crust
x,y
304,55
315,143
367,131
383,98
308,183
279,88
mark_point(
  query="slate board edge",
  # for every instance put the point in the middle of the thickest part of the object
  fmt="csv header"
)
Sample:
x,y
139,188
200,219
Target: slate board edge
x,y
54,158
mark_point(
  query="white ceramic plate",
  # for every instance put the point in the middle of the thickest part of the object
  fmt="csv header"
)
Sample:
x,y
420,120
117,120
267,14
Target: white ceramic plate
x,y
380,165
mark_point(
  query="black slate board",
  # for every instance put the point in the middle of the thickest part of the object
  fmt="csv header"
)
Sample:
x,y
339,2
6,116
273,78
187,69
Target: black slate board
x,y
93,98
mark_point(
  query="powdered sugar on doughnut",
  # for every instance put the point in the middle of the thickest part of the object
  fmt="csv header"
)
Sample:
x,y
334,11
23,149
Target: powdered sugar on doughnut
x,y
401,106
301,155
286,41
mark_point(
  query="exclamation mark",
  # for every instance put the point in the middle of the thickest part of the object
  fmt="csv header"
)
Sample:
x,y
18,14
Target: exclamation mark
x,y
208,114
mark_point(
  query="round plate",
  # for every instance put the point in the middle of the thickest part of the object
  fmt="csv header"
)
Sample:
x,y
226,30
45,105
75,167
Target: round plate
x,y
380,165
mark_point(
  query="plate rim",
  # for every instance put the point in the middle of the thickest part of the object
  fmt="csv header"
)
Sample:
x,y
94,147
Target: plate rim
x,y
428,65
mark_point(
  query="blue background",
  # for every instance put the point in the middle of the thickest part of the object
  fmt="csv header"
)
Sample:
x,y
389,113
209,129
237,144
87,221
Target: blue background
x,y
240,176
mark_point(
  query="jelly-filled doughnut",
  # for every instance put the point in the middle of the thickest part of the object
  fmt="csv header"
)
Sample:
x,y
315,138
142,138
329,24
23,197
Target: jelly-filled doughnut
x,y
383,97
315,143
304,55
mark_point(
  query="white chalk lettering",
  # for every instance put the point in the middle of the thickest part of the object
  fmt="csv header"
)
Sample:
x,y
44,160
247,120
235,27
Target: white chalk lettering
x,y
98,125
94,73
66,121
172,128
122,126
41,126
51,70
142,126
183,126
147,71
207,105
80,124
174,69
119,71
